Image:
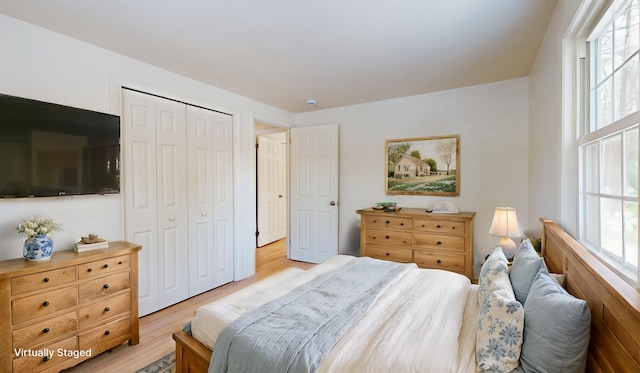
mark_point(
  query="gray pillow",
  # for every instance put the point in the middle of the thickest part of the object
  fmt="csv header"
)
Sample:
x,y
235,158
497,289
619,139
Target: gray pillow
x,y
556,328
526,264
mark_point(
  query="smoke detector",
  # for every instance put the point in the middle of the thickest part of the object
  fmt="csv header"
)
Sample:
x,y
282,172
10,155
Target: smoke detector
x,y
311,102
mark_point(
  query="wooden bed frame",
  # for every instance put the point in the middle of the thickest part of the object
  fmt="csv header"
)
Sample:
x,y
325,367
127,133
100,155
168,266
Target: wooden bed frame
x,y
614,304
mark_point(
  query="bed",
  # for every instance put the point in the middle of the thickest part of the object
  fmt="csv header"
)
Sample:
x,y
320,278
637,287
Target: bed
x,y
382,333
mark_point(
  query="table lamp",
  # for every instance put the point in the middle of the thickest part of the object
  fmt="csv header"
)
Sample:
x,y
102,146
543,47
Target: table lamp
x,y
505,225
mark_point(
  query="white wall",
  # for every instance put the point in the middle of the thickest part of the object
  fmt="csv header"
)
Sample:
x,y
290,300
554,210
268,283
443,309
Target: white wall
x,y
552,175
39,64
511,137
492,121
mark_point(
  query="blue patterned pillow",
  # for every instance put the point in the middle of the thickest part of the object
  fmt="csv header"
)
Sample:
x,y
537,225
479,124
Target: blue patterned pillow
x,y
494,275
500,333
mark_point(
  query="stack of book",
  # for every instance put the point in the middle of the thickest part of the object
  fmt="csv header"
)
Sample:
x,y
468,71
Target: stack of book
x,y
88,245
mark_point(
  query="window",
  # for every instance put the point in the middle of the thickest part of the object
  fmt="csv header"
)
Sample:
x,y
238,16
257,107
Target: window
x,y
608,140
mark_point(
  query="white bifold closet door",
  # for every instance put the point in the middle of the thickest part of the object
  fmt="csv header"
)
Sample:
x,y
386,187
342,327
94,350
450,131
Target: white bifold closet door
x,y
178,197
209,156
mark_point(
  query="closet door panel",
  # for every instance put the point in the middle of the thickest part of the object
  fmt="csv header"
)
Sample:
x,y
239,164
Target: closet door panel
x,y
178,192
172,202
223,197
200,158
140,193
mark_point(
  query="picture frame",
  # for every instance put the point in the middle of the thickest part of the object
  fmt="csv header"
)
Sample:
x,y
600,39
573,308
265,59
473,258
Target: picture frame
x,y
427,166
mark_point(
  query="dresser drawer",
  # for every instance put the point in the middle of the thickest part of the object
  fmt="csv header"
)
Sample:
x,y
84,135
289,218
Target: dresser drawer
x,y
377,221
105,335
389,253
103,267
100,287
440,242
104,309
389,237
36,305
440,226
42,280
44,331
437,260
29,364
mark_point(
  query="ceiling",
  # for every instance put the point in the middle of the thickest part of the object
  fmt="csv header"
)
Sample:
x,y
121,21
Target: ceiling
x,y
284,52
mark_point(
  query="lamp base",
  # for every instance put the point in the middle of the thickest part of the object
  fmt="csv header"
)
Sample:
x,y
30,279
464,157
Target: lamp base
x,y
508,247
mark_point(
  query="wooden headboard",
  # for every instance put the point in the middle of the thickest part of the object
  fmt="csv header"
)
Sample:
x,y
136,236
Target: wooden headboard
x,y
614,304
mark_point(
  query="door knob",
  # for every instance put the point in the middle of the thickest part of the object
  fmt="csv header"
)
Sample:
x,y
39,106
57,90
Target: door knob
x,y
332,203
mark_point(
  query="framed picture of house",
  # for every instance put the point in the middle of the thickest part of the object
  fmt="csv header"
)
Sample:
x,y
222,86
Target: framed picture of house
x,y
428,166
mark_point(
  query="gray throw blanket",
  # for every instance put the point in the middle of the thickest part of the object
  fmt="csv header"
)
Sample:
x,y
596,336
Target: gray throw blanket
x,y
293,333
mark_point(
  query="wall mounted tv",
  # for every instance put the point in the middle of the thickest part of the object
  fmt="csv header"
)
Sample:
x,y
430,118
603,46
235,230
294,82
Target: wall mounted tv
x,y
54,150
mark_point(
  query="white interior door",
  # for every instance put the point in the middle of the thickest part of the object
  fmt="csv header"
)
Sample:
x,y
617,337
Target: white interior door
x,y
272,188
314,193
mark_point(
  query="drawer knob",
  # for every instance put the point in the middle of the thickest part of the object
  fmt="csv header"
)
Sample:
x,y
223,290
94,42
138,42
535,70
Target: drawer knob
x,y
438,226
105,286
46,279
107,309
375,221
387,254
387,237
89,269
438,261
452,228
386,222
46,330
439,243
45,359
106,332
46,303
105,266
401,224
120,262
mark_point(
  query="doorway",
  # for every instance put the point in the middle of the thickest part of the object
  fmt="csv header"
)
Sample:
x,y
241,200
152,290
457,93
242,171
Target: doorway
x,y
271,183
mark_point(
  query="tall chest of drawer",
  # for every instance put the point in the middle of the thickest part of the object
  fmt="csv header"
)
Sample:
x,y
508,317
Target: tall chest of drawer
x,y
57,313
411,235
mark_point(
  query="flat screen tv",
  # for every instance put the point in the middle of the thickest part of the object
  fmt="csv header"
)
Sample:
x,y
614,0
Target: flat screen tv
x,y
54,150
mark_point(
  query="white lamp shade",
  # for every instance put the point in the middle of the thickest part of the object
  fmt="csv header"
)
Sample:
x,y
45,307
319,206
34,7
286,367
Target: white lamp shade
x,y
505,223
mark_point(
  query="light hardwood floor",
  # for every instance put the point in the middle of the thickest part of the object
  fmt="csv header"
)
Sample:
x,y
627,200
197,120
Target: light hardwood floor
x,y
156,329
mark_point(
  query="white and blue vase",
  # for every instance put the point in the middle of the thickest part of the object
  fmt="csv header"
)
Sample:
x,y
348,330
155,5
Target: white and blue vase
x,y
38,247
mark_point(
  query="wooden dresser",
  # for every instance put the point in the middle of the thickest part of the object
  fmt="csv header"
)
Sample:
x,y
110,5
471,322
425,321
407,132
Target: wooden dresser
x,y
442,241
56,313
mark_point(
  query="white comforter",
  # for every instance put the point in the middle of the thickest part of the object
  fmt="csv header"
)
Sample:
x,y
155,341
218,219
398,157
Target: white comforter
x,y
424,322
